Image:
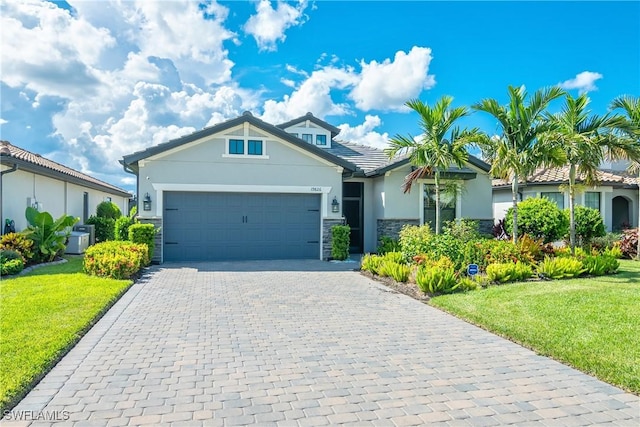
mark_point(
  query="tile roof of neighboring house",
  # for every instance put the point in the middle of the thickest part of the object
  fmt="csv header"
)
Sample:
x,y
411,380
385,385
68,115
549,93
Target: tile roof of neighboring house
x,y
556,176
27,160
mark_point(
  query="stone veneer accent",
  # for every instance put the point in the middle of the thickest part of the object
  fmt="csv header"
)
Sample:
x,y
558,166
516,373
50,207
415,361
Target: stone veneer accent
x,y
326,235
391,227
157,252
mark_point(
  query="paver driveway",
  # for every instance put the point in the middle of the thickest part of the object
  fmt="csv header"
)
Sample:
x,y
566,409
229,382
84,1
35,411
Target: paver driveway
x,y
294,343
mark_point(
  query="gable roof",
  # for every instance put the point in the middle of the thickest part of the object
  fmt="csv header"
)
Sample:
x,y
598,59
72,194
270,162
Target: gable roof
x,y
32,162
556,176
404,160
133,159
334,130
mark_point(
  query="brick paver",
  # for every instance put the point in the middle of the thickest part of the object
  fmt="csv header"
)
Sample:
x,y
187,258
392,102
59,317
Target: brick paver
x,y
304,343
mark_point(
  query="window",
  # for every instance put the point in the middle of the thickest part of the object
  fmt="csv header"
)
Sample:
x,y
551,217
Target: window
x,y
236,146
307,137
555,196
447,205
255,148
321,139
592,199
293,134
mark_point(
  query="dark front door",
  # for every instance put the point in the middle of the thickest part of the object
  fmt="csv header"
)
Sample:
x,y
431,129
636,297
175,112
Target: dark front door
x,y
352,208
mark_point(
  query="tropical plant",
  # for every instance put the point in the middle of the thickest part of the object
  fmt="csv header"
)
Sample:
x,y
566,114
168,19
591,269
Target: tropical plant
x,y
517,152
414,240
631,109
371,263
463,229
560,268
117,260
18,242
539,218
108,209
629,243
586,140
122,224
397,271
48,236
388,244
436,279
588,224
599,265
438,147
509,272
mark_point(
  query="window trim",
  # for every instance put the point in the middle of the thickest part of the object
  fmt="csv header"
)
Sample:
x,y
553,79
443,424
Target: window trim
x,y
253,142
318,135
310,135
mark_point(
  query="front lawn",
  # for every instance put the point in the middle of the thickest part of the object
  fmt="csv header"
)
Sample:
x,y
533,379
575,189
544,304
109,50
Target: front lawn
x,y
591,324
43,314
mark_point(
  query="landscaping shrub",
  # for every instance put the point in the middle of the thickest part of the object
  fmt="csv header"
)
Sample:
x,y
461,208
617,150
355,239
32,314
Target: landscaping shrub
x,y
589,224
414,240
629,243
502,251
467,284
464,229
509,272
108,209
534,249
371,263
614,252
394,257
397,271
18,242
122,224
436,279
539,218
48,236
9,267
599,265
608,241
117,260
340,242
387,244
143,233
499,230
560,268
9,254
104,228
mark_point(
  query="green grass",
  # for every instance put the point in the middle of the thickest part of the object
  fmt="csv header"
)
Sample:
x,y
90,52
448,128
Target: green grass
x,y
42,315
591,324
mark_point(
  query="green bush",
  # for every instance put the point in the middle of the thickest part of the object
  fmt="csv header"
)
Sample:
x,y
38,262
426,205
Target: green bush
x,y
18,242
509,272
48,236
108,210
397,271
589,224
371,263
143,233
121,228
387,244
10,267
467,284
599,265
432,280
104,228
608,241
464,229
414,240
560,268
9,254
540,218
394,257
502,251
614,252
340,242
117,260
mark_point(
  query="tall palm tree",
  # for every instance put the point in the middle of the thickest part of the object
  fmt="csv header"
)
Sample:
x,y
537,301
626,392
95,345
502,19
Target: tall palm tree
x,y
586,141
516,152
631,107
438,147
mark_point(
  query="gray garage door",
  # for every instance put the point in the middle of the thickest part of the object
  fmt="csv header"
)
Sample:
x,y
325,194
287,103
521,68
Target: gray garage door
x,y
236,226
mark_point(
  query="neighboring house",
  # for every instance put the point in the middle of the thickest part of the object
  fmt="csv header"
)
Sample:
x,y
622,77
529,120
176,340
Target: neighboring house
x,y
615,196
246,189
29,179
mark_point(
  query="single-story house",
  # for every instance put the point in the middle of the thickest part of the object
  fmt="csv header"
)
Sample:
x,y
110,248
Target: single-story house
x,y
28,179
615,196
247,189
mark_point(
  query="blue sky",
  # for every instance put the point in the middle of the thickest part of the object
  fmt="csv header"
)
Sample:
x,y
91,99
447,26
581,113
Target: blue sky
x,y
87,82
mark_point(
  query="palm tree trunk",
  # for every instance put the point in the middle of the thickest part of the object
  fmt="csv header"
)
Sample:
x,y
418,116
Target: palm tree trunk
x,y
437,179
638,251
572,204
514,197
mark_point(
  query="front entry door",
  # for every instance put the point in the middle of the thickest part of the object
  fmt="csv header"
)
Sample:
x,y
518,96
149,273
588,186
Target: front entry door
x,y
352,209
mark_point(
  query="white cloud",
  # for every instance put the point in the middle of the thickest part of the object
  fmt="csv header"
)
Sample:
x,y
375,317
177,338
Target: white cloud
x,y
268,25
364,133
3,121
389,84
584,82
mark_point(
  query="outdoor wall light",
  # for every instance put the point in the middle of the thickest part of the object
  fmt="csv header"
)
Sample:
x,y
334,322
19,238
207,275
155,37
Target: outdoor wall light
x,y
146,202
335,205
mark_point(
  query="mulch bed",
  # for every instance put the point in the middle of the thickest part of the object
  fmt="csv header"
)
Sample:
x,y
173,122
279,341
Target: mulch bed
x,y
409,289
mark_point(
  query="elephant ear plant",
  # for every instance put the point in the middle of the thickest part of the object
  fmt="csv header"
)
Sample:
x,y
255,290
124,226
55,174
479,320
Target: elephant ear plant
x,y
48,236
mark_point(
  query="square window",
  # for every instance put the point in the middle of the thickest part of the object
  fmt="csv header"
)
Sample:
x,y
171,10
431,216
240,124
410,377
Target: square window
x,y
255,148
321,139
236,146
592,199
555,196
307,137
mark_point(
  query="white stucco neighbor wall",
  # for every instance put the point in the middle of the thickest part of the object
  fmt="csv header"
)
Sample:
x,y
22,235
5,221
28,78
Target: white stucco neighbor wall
x,y
52,195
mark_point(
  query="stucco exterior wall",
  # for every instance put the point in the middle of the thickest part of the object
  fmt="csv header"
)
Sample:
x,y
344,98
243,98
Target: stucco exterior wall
x,y
475,200
399,205
52,195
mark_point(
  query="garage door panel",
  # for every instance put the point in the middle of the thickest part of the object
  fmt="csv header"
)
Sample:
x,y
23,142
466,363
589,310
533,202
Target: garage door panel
x,y
228,226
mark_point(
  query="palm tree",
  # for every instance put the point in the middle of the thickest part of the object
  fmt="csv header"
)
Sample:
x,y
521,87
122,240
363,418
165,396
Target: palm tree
x,y
516,152
440,145
631,107
586,141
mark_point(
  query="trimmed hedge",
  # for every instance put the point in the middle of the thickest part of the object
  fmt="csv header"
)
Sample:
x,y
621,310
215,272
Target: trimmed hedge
x,y
143,233
340,242
105,228
117,260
